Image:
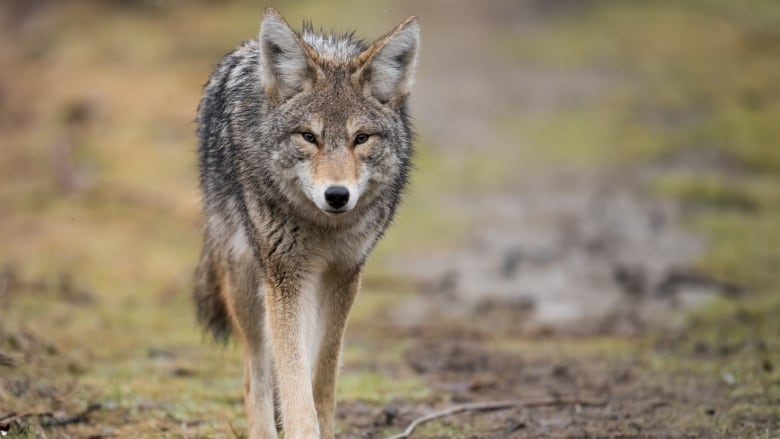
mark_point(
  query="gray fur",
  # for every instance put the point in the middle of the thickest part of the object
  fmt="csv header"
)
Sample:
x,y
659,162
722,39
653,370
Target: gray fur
x,y
283,120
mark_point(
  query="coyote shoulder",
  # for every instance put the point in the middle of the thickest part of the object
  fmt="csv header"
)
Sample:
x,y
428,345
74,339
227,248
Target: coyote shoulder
x,y
304,148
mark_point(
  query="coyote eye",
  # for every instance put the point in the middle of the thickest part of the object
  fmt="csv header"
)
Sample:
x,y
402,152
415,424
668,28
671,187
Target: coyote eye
x,y
361,138
309,137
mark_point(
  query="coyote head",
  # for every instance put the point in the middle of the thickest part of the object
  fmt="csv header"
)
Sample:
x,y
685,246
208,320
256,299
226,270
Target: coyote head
x,y
335,114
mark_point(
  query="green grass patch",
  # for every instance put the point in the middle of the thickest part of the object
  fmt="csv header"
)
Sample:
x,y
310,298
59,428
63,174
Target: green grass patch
x,y
379,388
672,76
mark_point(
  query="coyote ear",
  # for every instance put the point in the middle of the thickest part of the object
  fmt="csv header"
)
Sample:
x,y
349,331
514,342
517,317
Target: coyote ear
x,y
389,64
285,61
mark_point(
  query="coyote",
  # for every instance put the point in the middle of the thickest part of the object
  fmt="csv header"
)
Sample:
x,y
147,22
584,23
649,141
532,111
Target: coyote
x,y
304,146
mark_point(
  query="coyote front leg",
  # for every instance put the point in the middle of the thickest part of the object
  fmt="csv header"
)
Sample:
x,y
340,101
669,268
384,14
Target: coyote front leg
x,y
339,288
258,393
286,296
245,307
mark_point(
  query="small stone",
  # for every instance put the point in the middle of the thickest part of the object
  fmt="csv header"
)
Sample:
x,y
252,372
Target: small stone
x,y
390,413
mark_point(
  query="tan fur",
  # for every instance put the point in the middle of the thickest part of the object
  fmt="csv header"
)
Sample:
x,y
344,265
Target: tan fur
x,y
339,165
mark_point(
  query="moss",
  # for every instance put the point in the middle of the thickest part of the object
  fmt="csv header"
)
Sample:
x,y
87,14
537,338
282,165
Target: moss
x,y
373,304
587,137
716,90
379,388
709,191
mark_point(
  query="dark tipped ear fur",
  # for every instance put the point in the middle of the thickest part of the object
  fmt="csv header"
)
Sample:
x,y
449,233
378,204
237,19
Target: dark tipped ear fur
x,y
389,64
286,62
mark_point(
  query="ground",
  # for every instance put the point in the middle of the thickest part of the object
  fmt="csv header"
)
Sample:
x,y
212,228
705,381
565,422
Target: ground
x,y
594,216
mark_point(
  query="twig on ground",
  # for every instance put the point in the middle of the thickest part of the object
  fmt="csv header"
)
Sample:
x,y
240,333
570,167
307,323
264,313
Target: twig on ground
x,y
495,405
47,419
7,360
13,416
13,419
75,419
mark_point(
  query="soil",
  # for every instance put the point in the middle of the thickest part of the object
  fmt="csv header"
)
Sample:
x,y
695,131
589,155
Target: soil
x,y
634,405
579,255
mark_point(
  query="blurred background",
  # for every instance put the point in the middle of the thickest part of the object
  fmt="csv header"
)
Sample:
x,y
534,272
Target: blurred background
x,y
595,212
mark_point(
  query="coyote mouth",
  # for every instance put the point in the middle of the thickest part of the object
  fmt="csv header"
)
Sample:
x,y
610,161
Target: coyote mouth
x,y
336,212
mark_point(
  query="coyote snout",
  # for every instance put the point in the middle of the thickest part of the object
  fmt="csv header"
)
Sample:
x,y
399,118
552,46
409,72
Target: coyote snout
x,y
338,199
333,196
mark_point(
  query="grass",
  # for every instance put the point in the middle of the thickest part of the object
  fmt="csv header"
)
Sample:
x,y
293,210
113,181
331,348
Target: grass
x,y
378,388
679,76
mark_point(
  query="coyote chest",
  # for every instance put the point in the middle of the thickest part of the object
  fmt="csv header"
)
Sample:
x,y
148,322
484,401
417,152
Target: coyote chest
x,y
345,247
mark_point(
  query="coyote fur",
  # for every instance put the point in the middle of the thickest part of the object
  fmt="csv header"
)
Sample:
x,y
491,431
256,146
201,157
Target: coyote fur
x,y
304,148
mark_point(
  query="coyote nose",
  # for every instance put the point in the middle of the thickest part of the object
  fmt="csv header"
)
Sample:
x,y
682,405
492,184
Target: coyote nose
x,y
336,196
